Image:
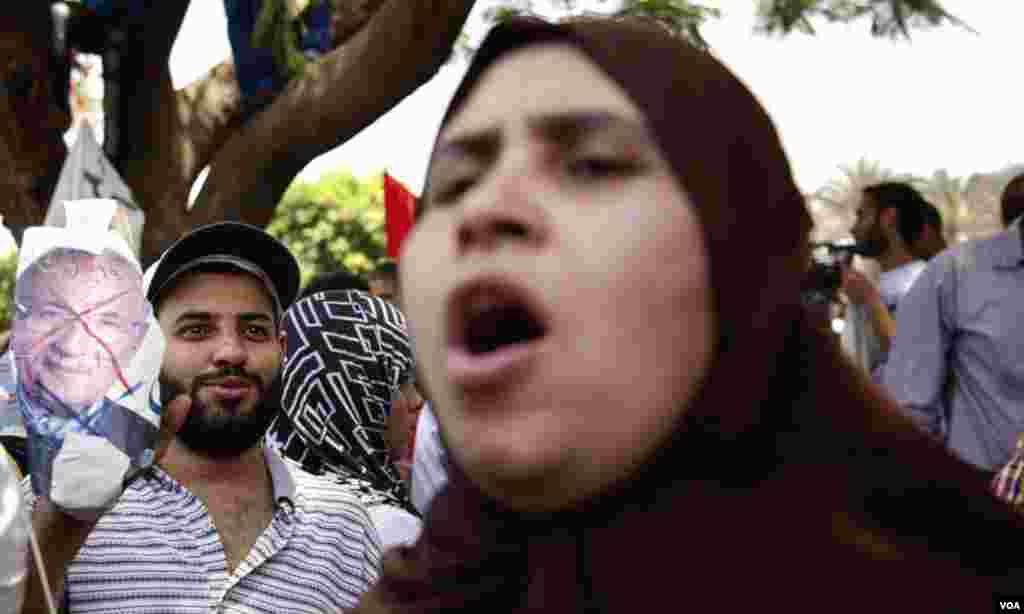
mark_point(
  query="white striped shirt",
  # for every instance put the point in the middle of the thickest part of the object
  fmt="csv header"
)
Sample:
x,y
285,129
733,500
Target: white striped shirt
x,y
156,551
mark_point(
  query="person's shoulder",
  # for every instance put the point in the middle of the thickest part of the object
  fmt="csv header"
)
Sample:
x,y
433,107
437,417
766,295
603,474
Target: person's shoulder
x,y
326,508
395,525
153,488
950,262
916,267
1000,249
323,492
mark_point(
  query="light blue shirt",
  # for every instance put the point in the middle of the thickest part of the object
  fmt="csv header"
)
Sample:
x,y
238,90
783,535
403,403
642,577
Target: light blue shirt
x,y
957,362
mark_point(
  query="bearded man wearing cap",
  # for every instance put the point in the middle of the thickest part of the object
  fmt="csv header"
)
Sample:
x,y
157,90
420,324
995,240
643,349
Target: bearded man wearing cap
x,y
221,523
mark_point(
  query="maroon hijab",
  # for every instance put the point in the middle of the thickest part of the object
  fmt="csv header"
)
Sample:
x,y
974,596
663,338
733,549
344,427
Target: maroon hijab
x,y
790,481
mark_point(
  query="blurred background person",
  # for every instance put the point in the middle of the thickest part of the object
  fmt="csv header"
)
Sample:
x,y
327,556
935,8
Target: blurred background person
x,y
890,219
384,281
931,241
1011,204
406,406
334,280
958,368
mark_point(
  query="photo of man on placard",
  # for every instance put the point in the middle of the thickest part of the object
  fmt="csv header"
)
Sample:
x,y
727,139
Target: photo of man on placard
x,y
80,318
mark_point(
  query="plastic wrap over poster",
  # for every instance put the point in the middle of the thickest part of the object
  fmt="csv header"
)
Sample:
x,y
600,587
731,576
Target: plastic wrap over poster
x,y
87,353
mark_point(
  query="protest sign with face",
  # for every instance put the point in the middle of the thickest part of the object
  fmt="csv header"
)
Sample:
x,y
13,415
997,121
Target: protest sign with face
x,y
87,354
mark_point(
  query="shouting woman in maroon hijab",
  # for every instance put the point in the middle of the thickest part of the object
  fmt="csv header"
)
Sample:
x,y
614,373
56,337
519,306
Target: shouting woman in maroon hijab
x,y
603,287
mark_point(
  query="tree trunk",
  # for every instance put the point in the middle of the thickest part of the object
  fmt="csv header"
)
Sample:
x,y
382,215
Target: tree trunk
x,y
31,124
183,132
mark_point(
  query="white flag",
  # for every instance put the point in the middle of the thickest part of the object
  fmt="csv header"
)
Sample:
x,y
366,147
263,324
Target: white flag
x,y
88,174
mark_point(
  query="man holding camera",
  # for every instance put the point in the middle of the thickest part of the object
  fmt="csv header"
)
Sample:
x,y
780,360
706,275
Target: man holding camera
x,y
890,219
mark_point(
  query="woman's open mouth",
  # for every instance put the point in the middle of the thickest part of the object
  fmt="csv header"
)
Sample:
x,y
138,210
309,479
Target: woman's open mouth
x,y
494,326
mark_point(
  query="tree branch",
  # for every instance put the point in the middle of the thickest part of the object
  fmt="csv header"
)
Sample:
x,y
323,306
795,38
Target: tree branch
x,y
184,131
401,47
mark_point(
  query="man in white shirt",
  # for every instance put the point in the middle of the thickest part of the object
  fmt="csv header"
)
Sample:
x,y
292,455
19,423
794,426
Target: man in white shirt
x,y
890,219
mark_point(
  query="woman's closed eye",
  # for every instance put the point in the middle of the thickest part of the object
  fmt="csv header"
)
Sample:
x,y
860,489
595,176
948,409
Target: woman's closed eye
x,y
596,167
448,191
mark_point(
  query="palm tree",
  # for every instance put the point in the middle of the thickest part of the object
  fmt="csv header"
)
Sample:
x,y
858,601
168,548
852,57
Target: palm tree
x,y
949,195
834,206
982,193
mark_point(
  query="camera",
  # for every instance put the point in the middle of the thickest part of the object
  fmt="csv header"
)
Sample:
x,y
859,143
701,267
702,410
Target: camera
x,y
825,276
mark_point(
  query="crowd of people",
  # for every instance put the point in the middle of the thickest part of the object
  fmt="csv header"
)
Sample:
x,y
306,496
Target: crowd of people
x,y
597,403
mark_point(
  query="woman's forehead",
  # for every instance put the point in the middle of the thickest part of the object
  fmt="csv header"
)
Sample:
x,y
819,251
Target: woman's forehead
x,y
539,80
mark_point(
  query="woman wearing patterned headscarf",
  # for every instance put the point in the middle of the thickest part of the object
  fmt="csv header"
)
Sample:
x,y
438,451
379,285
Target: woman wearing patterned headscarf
x,y
604,288
348,352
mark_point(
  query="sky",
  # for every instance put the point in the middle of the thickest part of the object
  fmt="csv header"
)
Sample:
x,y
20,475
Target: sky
x,y
948,99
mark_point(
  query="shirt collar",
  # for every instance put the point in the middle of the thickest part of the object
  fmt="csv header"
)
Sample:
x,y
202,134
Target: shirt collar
x,y
281,477
1009,252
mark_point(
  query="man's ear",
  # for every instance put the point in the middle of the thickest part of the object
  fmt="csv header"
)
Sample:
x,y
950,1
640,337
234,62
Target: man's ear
x,y
889,218
282,339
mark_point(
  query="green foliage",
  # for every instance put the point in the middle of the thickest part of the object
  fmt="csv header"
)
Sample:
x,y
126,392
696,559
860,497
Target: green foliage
x,y
889,18
682,17
679,16
8,266
276,29
335,223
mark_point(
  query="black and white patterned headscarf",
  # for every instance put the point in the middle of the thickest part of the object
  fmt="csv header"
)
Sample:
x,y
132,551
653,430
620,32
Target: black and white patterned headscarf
x,y
347,353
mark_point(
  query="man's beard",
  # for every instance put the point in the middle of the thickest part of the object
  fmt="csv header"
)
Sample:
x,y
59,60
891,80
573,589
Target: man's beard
x,y
221,436
874,245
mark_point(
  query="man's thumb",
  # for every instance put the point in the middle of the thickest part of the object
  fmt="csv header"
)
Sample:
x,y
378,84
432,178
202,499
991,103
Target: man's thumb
x,y
173,418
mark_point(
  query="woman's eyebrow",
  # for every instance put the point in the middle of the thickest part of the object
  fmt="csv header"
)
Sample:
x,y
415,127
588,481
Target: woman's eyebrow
x,y
569,129
565,129
480,144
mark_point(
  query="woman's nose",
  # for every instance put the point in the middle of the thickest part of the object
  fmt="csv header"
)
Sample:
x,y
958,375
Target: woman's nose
x,y
506,210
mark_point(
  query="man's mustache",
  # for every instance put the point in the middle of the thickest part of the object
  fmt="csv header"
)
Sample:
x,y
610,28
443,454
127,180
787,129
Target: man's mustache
x,y
207,379
169,389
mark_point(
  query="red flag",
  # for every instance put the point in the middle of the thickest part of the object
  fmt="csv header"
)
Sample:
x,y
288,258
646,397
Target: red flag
x,y
399,205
